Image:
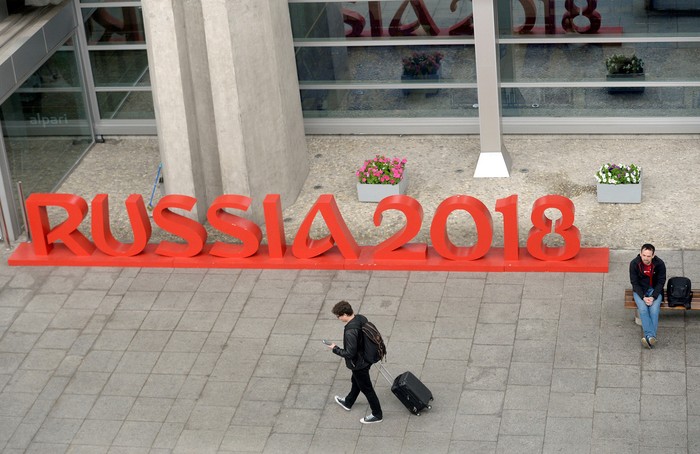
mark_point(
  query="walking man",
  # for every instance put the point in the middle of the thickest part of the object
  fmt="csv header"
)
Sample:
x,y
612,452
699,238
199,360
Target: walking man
x,y
648,276
355,361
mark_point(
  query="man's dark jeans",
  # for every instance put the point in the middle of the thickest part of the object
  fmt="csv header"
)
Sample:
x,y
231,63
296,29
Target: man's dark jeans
x,y
361,382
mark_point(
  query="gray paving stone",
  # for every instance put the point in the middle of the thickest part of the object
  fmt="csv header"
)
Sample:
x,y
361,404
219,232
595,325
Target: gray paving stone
x,y
570,405
499,313
100,361
625,426
540,309
46,302
207,301
58,430
481,402
462,286
663,383
454,327
197,321
307,396
180,411
283,443
463,307
72,406
28,381
665,436
31,322
183,282
533,351
158,385
97,432
408,352
137,434
21,437
301,304
519,444
444,371
476,427
449,349
494,334
537,330
663,408
149,282
10,362
576,356
333,440
111,407
490,355
411,331
523,422
526,397
618,376
489,378
417,310
617,400
245,438
386,444
419,442
266,388
530,374
570,432
298,421
293,344
227,393
125,384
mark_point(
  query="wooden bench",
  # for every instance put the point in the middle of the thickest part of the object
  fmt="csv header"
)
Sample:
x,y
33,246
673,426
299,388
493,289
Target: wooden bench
x,y
694,304
630,304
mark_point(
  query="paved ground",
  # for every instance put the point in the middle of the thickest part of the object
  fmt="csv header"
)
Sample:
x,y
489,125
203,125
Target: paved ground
x,y
107,360
150,361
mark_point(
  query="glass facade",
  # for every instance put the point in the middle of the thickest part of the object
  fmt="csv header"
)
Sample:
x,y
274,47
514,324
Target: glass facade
x,y
118,71
552,60
45,125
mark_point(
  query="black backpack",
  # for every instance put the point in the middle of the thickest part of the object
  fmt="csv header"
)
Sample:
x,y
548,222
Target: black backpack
x,y
374,349
678,292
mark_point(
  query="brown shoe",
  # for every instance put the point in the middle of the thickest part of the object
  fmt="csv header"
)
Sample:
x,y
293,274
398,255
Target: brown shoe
x,y
645,342
652,342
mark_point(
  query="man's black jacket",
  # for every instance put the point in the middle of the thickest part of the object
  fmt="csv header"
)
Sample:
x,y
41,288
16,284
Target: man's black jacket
x,y
352,344
640,282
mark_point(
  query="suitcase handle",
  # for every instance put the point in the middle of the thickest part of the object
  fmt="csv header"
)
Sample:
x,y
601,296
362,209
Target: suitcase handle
x,y
385,373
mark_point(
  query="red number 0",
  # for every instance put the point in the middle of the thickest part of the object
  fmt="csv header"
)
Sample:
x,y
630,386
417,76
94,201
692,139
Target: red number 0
x,y
564,226
482,220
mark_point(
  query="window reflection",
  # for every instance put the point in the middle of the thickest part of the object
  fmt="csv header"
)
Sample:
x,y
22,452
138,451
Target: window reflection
x,y
45,125
113,25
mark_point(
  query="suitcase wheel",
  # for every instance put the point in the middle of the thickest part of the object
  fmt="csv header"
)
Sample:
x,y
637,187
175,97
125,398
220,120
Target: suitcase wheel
x,y
430,407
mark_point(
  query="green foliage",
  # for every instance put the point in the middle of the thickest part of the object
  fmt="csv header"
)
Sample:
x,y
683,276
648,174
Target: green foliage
x,y
381,170
619,174
622,64
421,64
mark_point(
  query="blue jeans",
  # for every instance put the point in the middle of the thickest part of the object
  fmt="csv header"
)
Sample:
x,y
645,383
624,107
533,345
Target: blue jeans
x,y
649,315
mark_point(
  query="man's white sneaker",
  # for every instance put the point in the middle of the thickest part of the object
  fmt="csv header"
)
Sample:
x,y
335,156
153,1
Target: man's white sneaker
x,y
341,402
371,419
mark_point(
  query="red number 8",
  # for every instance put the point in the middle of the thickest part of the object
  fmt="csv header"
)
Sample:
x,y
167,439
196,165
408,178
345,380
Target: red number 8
x,y
564,226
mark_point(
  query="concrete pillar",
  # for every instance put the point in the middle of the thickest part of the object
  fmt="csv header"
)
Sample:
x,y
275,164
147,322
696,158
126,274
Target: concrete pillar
x,y
227,99
494,160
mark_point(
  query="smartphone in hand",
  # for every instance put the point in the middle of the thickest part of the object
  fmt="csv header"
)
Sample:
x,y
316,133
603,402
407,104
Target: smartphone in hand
x,y
326,341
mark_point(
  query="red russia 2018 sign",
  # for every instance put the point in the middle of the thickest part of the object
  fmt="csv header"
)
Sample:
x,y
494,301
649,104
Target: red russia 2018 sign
x,y
65,245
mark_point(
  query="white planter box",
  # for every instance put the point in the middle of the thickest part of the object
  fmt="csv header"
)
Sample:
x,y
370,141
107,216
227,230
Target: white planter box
x,y
620,193
376,192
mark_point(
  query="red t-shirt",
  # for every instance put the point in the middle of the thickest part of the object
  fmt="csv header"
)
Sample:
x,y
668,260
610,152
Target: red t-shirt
x,y
646,269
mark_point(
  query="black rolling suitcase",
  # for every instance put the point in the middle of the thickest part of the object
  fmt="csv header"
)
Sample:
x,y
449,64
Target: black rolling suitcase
x,y
412,393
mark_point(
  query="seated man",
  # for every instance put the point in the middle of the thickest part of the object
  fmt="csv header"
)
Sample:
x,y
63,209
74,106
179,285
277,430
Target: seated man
x,y
648,276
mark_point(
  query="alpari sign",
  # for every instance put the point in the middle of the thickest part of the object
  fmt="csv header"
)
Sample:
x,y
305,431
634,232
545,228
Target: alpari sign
x,y
65,245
